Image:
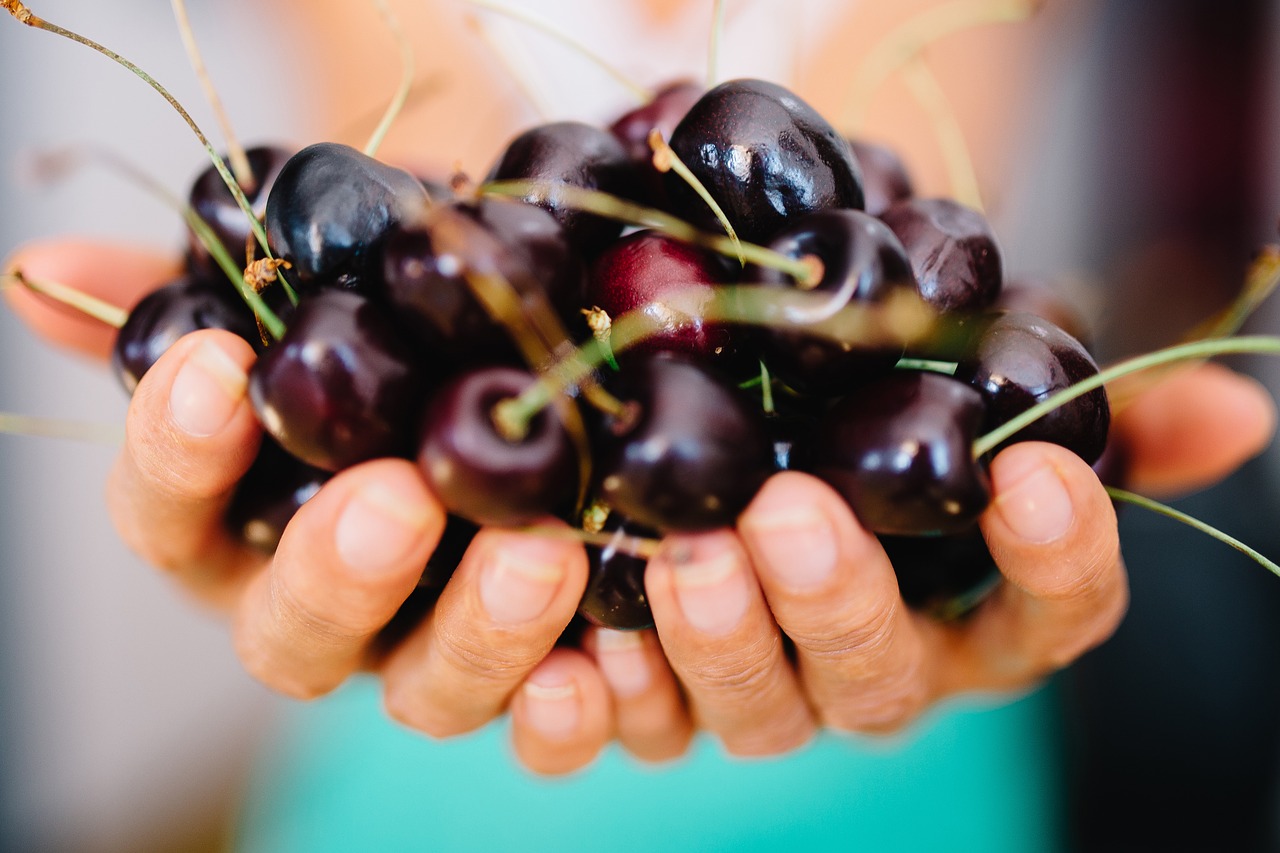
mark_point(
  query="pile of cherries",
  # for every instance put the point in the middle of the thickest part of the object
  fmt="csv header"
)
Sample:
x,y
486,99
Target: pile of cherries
x,y
432,322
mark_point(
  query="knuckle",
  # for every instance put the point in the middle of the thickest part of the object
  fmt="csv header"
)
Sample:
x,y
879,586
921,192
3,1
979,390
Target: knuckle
x,y
740,672
413,708
857,643
264,666
485,660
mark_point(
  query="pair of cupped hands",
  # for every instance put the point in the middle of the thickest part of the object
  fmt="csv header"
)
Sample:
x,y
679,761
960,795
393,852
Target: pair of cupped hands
x,y
797,567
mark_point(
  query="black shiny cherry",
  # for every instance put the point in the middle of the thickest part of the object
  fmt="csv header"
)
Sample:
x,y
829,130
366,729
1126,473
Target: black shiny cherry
x,y
953,252
213,203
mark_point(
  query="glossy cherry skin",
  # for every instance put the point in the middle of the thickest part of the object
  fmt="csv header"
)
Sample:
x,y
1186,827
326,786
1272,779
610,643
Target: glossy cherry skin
x,y
694,454
342,386
330,209
1020,360
577,154
615,596
668,106
765,156
953,252
900,453
944,576
862,262
643,269
213,203
476,472
270,494
425,267
885,180
184,305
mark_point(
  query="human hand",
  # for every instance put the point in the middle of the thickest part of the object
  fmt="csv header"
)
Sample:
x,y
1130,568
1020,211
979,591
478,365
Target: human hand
x,y
800,567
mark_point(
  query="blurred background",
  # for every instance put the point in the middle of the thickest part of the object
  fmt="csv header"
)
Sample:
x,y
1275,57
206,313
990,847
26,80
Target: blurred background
x,y
1130,149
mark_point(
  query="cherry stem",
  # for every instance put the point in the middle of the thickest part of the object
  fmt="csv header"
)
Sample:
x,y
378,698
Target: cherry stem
x,y
1170,512
955,150
640,93
899,319
905,44
713,49
766,390
931,365
235,151
401,96
25,16
56,428
1255,345
636,546
91,306
534,99
807,271
665,159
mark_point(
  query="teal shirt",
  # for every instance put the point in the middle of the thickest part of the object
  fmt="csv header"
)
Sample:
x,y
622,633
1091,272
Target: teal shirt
x,y
970,776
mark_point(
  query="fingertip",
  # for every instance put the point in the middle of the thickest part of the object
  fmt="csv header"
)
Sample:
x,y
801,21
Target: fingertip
x,y
561,714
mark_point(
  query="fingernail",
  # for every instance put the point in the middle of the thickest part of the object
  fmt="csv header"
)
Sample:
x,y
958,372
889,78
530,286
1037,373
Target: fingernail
x,y
620,656
710,587
207,391
552,705
1035,504
378,528
517,586
798,545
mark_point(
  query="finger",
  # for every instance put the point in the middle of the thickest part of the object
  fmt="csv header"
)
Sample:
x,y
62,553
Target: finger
x,y
347,561
190,436
511,597
724,646
1194,428
1052,531
650,718
117,274
560,715
833,591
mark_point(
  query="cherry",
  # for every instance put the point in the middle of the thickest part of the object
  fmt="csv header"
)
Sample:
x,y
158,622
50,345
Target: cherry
x,y
942,575
270,494
213,202
639,270
615,596
1020,360
342,386
479,473
427,284
663,113
329,210
884,176
577,154
953,252
185,305
694,454
764,155
900,453
862,261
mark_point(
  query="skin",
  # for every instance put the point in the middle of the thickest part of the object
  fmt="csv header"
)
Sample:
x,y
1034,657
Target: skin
x,y
798,565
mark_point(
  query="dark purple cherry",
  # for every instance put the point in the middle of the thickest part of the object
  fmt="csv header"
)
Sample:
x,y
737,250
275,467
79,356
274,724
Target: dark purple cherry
x,y
694,454
765,156
615,596
668,106
862,262
1020,360
342,386
478,473
425,267
885,181
330,209
270,494
645,268
577,154
953,252
944,576
163,316
213,202
900,452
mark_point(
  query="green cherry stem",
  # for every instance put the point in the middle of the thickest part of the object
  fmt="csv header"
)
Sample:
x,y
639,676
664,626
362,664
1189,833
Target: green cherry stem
x,y
1251,345
806,271
1170,512
56,428
91,306
401,96
666,160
